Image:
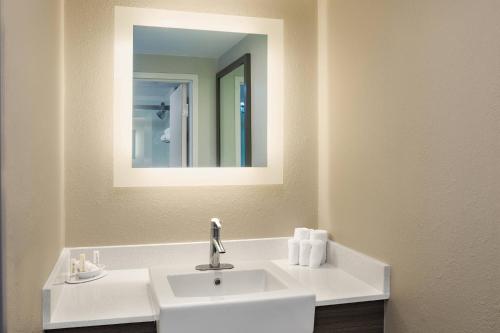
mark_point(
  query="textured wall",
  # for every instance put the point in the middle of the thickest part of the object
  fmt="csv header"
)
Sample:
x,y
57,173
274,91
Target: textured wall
x,y
32,203
414,154
97,213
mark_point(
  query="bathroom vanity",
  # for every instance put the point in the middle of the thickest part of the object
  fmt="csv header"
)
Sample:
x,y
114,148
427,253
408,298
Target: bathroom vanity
x,y
364,317
176,126
349,291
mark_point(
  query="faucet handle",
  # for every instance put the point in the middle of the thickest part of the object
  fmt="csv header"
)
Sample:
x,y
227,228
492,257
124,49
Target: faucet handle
x,y
215,223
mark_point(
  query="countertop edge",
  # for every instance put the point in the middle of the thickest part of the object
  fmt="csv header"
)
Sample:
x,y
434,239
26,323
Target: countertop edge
x,y
99,322
350,300
153,317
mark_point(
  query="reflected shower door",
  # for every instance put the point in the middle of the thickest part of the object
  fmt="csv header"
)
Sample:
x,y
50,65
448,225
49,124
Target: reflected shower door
x,y
179,112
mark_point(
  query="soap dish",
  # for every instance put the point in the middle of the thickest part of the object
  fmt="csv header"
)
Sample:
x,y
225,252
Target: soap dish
x,y
83,277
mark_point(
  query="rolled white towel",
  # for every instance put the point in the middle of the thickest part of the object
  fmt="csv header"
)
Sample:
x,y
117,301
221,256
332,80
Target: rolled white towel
x,y
323,236
317,252
301,233
293,251
305,252
319,234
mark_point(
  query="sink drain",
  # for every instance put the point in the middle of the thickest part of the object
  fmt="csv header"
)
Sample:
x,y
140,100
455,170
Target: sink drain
x,y
217,281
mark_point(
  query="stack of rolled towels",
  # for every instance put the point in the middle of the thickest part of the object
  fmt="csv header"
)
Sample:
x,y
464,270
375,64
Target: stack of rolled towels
x,y
307,247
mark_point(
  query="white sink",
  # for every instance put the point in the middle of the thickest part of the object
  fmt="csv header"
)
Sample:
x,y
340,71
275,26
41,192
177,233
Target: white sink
x,y
252,297
236,282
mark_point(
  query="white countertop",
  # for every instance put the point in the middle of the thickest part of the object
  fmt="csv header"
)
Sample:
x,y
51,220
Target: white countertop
x,y
332,285
123,296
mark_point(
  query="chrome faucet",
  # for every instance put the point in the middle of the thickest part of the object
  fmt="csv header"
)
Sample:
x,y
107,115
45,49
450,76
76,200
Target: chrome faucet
x,y
216,248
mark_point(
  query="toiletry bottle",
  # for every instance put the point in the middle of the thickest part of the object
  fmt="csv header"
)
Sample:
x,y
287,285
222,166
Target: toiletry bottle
x,y
96,258
82,262
73,266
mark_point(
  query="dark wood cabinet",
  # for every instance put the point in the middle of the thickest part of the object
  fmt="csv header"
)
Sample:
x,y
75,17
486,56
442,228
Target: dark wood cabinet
x,y
364,317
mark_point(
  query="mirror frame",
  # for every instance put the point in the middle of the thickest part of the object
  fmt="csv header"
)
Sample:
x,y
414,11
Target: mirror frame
x,y
123,173
244,60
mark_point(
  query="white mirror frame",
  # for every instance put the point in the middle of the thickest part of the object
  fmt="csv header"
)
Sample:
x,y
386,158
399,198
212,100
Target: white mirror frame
x,y
126,176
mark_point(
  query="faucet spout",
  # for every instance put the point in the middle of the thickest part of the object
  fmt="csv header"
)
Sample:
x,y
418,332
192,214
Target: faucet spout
x,y
218,246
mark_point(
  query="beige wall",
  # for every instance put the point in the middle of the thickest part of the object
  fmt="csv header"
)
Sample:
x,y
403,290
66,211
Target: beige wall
x,y
97,213
414,154
32,203
410,152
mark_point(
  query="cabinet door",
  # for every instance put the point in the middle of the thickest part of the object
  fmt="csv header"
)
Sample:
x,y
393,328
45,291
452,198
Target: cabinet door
x,y
364,317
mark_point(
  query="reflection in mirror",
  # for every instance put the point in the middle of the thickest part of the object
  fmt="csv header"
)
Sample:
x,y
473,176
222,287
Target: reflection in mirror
x,y
199,99
158,124
234,132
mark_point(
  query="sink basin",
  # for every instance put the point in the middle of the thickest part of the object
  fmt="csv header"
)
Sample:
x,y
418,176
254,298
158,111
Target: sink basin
x,y
236,282
252,297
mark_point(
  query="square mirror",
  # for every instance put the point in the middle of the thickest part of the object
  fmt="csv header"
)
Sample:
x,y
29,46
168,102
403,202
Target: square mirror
x,y
192,102
200,99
